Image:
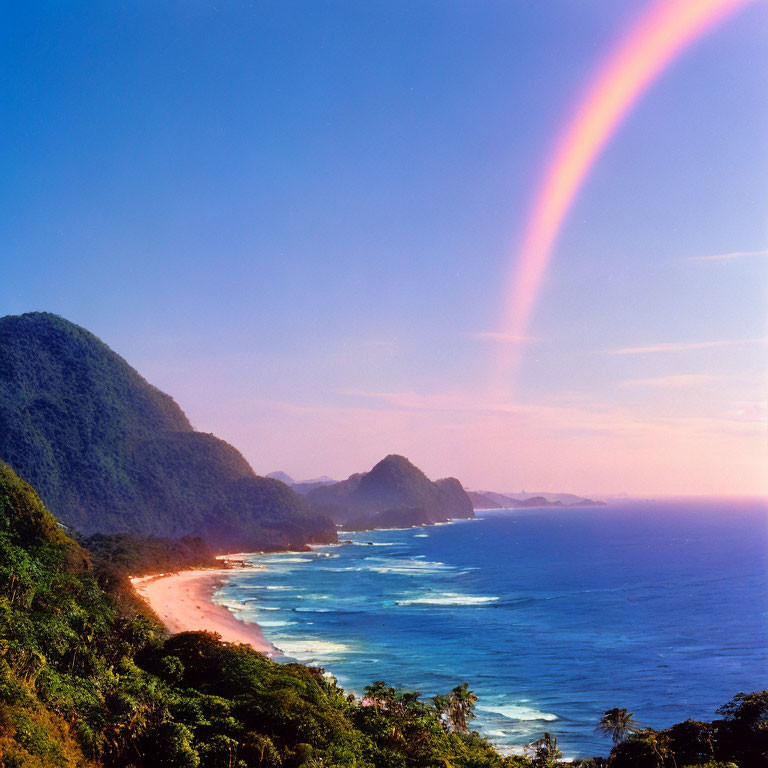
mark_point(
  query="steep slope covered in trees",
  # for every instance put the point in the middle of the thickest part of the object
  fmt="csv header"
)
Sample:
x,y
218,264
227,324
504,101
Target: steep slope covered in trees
x,y
86,680
394,493
109,453
89,680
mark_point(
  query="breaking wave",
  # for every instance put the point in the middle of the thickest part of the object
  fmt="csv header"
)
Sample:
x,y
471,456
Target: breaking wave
x,y
448,598
313,649
520,712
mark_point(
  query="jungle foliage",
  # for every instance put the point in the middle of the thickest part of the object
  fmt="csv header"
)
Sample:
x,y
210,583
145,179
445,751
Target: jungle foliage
x,y
110,453
89,679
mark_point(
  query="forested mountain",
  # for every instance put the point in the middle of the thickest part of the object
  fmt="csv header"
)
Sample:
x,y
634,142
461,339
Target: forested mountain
x,y
109,453
89,680
395,493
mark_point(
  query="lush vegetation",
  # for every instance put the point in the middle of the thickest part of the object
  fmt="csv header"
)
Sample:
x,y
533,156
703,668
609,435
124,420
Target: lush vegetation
x,y
393,494
88,678
739,738
143,555
109,453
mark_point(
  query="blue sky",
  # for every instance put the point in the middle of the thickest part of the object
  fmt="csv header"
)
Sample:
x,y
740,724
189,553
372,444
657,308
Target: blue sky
x,y
297,218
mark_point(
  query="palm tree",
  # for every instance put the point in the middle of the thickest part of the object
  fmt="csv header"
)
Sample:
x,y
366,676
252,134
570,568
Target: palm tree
x,y
547,753
456,708
618,723
379,695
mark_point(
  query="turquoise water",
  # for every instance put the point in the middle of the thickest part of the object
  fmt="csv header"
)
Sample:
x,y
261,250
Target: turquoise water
x,y
552,616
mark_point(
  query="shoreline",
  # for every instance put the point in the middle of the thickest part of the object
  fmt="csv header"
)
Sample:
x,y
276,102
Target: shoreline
x,y
183,601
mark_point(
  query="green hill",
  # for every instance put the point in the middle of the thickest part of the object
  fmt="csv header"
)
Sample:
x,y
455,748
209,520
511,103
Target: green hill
x,y
395,493
87,680
110,453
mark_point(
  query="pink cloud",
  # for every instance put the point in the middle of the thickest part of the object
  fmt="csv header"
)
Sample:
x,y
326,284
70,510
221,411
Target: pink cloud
x,y
732,256
677,381
682,346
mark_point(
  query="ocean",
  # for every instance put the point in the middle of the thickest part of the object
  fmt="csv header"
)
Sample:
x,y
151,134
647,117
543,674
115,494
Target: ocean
x,y
551,615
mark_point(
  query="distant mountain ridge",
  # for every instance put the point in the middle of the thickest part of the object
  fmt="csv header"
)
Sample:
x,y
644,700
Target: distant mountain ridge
x,y
309,485
282,477
492,500
567,499
302,487
110,453
394,493
321,480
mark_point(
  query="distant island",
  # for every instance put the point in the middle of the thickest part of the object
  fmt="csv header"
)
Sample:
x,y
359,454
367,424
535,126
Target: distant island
x,y
492,500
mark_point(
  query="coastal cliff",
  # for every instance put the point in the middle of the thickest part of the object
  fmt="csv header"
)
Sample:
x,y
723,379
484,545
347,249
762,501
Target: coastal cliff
x,y
393,494
89,679
109,453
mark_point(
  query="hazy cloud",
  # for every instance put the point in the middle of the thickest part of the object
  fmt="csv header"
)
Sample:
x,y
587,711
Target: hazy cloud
x,y
733,255
589,418
679,381
684,346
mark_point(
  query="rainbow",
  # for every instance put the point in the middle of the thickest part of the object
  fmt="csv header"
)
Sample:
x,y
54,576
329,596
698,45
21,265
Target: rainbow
x,y
661,33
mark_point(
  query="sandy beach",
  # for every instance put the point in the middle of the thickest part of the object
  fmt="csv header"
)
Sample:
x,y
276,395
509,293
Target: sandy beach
x,y
183,601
